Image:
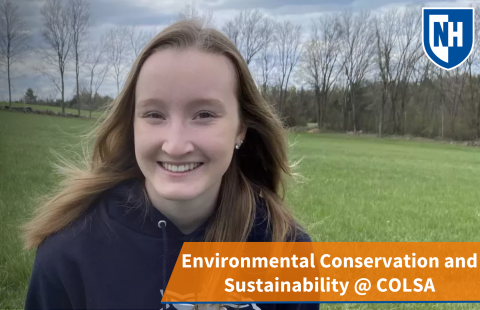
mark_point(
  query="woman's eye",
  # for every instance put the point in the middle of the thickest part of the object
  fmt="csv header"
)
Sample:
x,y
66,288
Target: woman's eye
x,y
205,114
153,115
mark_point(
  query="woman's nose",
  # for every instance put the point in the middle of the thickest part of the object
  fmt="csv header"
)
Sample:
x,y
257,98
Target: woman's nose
x,y
177,140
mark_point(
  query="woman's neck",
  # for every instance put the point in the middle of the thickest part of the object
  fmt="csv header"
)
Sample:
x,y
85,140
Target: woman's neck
x,y
187,215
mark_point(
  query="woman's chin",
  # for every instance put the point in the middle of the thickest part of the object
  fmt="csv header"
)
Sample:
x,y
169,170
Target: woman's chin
x,y
178,194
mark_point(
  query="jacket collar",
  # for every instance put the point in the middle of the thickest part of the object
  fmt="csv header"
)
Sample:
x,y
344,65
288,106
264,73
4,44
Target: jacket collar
x,y
127,205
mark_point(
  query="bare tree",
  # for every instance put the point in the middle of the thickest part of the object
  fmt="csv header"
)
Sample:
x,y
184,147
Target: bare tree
x,y
137,39
57,35
232,31
117,52
252,28
456,88
13,39
408,51
48,68
386,26
288,48
247,30
79,16
358,43
398,50
191,11
321,57
472,66
450,87
97,67
267,57
442,92
422,81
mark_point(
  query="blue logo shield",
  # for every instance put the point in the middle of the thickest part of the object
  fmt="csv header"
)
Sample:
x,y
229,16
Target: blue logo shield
x,y
448,35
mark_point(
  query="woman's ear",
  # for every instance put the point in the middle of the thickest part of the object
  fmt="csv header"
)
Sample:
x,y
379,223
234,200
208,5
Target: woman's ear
x,y
242,132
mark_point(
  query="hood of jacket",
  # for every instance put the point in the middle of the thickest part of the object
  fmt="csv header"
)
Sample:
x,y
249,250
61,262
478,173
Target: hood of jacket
x,y
127,204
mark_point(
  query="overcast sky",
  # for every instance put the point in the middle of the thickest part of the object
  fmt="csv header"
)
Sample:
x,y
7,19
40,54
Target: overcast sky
x,y
155,14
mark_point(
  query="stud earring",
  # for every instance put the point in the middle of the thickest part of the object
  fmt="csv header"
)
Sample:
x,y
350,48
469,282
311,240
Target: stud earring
x,y
237,146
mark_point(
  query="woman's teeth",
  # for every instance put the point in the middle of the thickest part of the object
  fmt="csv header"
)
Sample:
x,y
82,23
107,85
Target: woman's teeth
x,y
180,168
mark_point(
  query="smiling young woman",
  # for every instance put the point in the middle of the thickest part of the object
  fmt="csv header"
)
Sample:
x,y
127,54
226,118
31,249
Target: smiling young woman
x,y
189,151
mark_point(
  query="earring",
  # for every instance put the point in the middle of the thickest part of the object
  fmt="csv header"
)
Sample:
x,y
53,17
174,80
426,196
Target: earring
x,y
237,146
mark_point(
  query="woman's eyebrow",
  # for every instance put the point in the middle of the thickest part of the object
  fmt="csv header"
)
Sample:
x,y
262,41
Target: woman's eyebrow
x,y
149,101
217,103
205,102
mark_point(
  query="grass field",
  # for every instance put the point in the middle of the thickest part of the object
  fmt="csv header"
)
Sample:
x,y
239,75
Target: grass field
x,y
54,109
356,189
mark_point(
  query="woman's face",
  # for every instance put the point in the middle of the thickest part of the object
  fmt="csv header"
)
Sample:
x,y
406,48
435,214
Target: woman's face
x,y
186,122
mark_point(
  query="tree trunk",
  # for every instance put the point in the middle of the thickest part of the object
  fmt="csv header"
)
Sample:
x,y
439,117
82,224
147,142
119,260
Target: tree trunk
x,y
280,102
380,122
424,109
433,117
319,117
402,110
478,121
453,120
345,114
91,96
77,69
9,85
354,116
443,115
319,108
324,106
393,117
63,93
118,85
382,109
475,107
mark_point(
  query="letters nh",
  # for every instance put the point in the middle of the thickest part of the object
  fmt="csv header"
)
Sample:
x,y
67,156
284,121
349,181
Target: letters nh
x,y
444,32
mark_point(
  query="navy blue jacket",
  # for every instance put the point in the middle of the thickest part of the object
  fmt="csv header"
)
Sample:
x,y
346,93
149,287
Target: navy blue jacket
x,y
113,257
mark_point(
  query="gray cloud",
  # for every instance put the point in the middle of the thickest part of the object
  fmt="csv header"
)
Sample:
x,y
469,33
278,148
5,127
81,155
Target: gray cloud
x,y
118,12
291,7
276,4
148,13
126,12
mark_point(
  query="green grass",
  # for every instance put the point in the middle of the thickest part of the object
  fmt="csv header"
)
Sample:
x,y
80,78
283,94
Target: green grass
x,y
95,114
25,143
356,189
369,189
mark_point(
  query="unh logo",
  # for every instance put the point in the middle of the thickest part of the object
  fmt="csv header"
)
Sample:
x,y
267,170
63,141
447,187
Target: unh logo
x,y
448,35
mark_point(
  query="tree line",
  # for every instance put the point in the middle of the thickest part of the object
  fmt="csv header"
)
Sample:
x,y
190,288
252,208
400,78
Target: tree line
x,y
67,42
355,71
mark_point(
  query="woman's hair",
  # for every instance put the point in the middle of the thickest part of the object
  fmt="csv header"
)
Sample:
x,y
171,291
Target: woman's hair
x,y
257,168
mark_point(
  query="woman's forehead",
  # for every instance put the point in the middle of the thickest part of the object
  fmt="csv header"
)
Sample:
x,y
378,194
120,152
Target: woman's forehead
x,y
188,65
186,76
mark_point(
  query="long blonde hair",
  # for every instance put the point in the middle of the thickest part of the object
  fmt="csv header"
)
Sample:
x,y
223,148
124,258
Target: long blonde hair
x,y
258,168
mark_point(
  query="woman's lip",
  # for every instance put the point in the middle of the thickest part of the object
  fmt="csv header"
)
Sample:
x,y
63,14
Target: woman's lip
x,y
179,164
159,163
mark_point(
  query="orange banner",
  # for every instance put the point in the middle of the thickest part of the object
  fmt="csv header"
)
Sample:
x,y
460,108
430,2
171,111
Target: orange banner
x,y
325,272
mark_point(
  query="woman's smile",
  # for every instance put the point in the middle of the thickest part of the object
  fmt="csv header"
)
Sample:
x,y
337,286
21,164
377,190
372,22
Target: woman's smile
x,y
179,168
